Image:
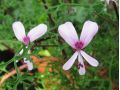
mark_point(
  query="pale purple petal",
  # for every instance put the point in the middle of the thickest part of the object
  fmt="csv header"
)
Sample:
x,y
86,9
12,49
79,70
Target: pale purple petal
x,y
92,61
68,33
37,32
19,30
29,64
70,62
89,30
81,65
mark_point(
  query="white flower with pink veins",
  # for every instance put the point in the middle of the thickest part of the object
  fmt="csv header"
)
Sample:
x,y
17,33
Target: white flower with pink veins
x,y
69,34
32,35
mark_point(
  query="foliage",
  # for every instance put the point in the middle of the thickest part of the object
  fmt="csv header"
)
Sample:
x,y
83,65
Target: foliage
x,y
55,12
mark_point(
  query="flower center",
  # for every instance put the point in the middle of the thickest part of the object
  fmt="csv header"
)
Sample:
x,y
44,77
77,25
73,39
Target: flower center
x,y
26,40
79,45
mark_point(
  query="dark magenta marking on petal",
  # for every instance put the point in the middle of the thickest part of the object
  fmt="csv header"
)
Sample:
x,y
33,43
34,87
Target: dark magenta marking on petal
x,y
79,45
26,40
80,65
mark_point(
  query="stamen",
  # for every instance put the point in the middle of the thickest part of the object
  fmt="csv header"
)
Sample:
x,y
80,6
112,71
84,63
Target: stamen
x,y
26,40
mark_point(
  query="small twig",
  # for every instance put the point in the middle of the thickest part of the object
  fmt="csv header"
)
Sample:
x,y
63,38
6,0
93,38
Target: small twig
x,y
8,75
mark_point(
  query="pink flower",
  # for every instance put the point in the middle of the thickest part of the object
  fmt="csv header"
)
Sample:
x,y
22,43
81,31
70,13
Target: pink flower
x,y
32,35
69,34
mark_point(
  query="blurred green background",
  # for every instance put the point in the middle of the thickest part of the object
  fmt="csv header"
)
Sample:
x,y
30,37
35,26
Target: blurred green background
x,y
104,47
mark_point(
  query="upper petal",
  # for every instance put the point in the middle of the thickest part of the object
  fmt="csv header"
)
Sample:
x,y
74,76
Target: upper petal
x,y
70,62
81,65
19,30
37,32
92,61
68,33
89,30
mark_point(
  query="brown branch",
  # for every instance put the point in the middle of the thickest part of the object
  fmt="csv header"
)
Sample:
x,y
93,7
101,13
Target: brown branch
x,y
8,75
35,61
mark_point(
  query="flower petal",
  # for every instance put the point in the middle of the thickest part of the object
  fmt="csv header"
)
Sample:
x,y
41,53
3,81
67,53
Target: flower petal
x,y
70,62
19,30
82,68
89,30
92,61
68,33
29,64
37,32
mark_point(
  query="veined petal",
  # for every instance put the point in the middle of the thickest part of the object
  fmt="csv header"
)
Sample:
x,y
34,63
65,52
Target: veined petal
x,y
70,62
37,32
19,30
68,33
81,65
89,30
92,61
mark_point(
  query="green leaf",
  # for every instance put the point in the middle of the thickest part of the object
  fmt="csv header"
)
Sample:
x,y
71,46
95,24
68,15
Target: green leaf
x,y
44,53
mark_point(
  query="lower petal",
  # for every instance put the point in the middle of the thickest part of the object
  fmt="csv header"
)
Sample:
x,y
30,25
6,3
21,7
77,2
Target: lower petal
x,y
92,61
29,64
70,62
82,67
